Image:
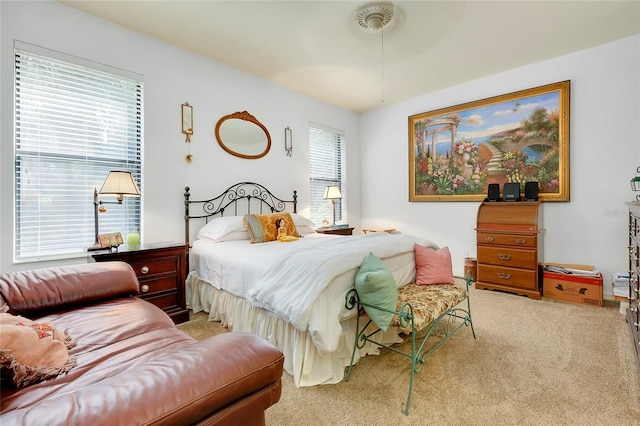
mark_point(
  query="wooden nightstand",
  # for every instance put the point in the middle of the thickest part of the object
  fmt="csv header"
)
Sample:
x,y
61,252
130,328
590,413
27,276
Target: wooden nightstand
x,y
335,231
161,270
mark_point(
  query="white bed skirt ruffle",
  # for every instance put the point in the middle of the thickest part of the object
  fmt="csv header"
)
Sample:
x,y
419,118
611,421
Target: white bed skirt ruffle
x,y
301,358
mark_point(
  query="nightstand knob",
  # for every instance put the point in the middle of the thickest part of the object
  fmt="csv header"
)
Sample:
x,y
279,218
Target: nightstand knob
x,y
144,269
144,288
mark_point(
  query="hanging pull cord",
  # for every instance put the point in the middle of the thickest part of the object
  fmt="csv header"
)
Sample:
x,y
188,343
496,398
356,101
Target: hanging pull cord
x,y
382,66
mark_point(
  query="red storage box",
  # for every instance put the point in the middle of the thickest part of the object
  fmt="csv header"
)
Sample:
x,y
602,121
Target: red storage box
x,y
572,288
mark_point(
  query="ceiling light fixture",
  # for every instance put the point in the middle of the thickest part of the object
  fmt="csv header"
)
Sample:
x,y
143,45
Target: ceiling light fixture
x,y
374,18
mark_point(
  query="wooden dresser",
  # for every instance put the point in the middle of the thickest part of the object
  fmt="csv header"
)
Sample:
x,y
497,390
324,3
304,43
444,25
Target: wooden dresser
x,y
633,312
509,247
161,269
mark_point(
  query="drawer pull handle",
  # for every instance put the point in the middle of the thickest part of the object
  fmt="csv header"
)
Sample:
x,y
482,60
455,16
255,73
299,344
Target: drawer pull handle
x,y
504,275
504,256
489,239
144,288
144,269
521,241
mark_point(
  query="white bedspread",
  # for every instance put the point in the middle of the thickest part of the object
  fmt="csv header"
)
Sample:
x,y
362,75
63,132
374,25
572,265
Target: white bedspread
x,y
290,286
303,282
230,265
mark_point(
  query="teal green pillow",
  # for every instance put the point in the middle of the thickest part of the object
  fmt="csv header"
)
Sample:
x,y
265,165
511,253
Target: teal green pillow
x,y
375,285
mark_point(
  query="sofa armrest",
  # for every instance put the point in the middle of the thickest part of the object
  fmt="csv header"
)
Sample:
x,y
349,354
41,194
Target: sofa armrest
x,y
59,288
195,382
210,376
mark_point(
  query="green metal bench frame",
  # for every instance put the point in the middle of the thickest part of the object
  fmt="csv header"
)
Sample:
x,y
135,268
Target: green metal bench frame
x,y
449,322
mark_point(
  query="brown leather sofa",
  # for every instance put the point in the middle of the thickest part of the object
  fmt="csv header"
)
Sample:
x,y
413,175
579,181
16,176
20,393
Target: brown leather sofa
x,y
134,367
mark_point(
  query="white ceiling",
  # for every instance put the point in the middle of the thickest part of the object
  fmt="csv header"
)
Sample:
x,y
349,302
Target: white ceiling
x,y
317,47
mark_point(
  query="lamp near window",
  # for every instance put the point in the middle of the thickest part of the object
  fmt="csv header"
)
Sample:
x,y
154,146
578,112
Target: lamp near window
x,y
332,192
117,183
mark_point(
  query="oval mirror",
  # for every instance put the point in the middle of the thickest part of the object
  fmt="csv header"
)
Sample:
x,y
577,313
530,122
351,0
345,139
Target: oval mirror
x,y
242,135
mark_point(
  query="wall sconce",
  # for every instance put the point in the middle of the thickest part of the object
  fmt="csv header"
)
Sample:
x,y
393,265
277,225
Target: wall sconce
x,y
288,141
187,127
635,183
117,183
332,193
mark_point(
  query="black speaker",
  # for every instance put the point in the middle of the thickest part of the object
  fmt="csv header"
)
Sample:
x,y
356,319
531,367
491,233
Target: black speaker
x,y
511,191
493,192
531,191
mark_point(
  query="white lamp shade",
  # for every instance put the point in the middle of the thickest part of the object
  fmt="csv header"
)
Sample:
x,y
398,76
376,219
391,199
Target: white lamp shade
x,y
332,192
119,183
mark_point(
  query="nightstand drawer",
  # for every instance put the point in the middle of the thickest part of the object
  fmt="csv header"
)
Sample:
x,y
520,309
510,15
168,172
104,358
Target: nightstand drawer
x,y
149,287
166,301
511,257
151,267
491,238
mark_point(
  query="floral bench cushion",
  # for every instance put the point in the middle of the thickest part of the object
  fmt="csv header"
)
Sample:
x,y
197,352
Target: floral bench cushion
x,y
428,302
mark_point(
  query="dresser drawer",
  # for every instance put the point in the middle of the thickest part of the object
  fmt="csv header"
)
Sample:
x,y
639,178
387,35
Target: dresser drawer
x,y
507,256
511,277
498,239
158,266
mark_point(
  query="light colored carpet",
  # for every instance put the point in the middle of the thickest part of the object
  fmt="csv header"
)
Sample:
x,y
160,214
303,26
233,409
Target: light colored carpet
x,y
534,362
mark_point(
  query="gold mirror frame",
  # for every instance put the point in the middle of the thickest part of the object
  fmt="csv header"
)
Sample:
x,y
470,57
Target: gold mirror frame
x,y
245,116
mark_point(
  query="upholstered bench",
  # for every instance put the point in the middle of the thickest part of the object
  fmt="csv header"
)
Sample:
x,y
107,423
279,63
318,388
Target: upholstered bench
x,y
419,308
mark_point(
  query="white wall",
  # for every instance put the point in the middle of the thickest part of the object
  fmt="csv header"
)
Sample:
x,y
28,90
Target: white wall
x,y
604,153
172,76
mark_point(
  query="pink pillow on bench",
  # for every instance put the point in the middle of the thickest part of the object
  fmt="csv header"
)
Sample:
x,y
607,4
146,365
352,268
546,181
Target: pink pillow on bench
x,y
433,266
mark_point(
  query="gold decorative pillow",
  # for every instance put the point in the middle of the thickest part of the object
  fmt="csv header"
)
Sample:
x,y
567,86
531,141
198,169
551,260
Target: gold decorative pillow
x,y
263,228
31,352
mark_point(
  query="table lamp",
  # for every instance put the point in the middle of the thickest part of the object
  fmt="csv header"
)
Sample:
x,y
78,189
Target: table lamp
x,y
332,192
117,183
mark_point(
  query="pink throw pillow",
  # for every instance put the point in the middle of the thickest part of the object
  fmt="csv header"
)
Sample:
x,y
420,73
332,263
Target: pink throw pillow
x,y
433,266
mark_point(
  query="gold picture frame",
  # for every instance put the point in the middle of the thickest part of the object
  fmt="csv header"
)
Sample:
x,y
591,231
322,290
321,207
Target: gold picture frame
x,y
456,152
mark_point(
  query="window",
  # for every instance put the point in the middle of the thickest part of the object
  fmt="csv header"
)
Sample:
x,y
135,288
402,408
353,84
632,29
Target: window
x,y
327,167
75,120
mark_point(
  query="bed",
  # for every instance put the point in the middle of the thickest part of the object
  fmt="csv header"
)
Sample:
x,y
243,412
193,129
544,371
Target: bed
x,y
290,293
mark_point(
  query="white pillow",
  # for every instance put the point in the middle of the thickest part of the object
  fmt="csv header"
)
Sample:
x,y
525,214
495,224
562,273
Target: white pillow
x,y
305,230
235,236
300,220
224,228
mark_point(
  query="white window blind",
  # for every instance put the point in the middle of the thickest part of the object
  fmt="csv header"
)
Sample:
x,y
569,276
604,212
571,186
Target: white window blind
x,y
74,122
327,167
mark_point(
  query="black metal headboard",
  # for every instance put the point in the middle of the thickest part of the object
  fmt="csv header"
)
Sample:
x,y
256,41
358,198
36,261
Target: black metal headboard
x,y
229,199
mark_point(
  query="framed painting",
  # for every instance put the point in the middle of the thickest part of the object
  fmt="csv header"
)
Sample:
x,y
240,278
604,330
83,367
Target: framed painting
x,y
456,152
